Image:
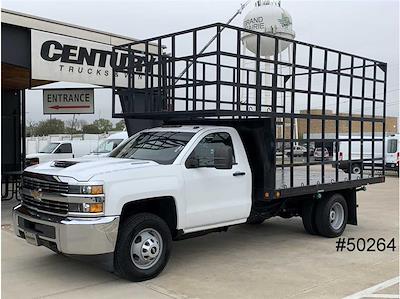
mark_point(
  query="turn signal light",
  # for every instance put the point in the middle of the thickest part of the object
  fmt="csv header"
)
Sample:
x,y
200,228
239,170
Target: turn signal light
x,y
93,207
97,190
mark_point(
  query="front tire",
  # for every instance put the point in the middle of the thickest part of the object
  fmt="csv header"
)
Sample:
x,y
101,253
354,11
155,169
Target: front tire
x,y
331,215
143,247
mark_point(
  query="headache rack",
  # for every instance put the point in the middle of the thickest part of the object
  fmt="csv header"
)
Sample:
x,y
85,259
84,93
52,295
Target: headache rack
x,y
315,97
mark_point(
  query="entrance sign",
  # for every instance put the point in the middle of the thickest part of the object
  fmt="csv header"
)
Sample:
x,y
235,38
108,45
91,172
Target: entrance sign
x,y
68,101
61,58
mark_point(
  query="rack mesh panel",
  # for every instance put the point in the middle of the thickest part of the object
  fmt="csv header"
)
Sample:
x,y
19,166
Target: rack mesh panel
x,y
319,98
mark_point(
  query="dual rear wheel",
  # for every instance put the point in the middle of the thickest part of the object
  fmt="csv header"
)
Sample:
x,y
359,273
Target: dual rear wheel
x,y
326,217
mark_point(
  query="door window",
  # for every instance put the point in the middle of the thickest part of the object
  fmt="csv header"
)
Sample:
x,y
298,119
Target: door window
x,y
64,148
207,149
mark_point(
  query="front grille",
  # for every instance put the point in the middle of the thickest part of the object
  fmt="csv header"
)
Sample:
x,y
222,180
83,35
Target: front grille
x,y
34,183
45,206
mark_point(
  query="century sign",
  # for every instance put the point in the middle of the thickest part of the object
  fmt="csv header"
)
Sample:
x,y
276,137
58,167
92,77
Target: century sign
x,y
62,58
68,101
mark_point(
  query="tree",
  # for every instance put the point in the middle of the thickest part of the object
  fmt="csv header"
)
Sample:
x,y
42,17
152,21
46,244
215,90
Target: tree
x,y
103,125
31,129
50,126
120,126
90,129
71,127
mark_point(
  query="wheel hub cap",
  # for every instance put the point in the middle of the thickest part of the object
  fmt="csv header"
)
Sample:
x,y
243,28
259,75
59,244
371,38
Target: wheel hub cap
x,y
146,248
336,215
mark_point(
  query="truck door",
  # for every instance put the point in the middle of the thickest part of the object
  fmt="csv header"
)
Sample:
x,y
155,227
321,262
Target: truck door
x,y
64,151
214,196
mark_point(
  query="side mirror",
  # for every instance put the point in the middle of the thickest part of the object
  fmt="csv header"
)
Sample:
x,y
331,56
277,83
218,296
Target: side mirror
x,y
223,158
192,162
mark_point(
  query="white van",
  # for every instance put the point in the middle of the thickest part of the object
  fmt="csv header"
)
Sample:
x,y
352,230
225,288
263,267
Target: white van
x,y
391,153
392,156
107,145
57,150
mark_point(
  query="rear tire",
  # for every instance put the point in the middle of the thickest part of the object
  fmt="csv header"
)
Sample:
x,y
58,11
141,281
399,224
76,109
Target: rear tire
x,y
143,247
308,217
331,215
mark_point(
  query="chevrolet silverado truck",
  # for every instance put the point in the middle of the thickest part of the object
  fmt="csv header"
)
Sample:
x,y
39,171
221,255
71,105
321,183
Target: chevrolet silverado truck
x,y
168,183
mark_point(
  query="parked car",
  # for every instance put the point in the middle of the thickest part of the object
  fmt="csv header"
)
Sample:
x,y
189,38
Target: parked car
x,y
321,155
107,145
298,151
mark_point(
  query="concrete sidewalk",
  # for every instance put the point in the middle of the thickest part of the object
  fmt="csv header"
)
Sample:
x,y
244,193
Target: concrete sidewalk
x,y
274,260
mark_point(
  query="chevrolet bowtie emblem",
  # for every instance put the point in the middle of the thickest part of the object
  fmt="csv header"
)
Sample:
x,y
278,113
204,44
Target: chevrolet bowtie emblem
x,y
37,194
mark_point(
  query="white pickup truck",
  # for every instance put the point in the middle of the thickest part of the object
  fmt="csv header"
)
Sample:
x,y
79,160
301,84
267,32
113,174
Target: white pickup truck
x,y
164,184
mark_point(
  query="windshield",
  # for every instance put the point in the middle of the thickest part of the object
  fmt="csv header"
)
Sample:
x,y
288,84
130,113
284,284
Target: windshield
x,y
48,149
161,147
107,146
392,146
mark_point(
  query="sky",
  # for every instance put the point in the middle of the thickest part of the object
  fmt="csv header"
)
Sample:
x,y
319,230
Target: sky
x,y
366,28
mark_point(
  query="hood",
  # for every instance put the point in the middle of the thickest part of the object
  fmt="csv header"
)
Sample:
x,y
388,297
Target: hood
x,y
83,169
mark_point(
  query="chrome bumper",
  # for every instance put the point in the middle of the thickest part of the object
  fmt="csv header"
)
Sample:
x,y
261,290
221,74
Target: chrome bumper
x,y
86,236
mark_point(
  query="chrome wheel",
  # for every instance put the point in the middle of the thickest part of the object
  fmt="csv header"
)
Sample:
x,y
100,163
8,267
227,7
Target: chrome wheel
x,y
146,248
336,216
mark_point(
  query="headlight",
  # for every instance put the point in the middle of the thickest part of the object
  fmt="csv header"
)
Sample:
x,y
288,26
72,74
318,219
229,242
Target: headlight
x,y
86,189
90,204
93,190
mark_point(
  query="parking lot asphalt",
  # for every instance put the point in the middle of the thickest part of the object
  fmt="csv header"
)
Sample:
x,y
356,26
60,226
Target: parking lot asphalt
x,y
274,260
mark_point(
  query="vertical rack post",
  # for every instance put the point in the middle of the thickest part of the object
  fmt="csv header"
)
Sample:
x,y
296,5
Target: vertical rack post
x,y
350,116
384,69
258,75
310,60
173,54
323,117
146,80
292,115
194,68
218,100
373,121
362,117
339,66
238,69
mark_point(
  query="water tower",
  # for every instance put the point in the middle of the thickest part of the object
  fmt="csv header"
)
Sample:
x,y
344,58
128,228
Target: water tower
x,y
270,18
267,17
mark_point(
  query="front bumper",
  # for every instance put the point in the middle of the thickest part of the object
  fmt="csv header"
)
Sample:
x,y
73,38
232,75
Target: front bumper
x,y
84,236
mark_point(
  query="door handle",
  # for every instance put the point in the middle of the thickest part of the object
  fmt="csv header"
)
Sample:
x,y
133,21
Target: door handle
x,y
238,173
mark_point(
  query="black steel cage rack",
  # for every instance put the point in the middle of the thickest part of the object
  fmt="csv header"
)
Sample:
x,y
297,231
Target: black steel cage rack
x,y
316,97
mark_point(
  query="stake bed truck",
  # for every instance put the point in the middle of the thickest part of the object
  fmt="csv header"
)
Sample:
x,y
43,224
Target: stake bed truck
x,y
212,162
